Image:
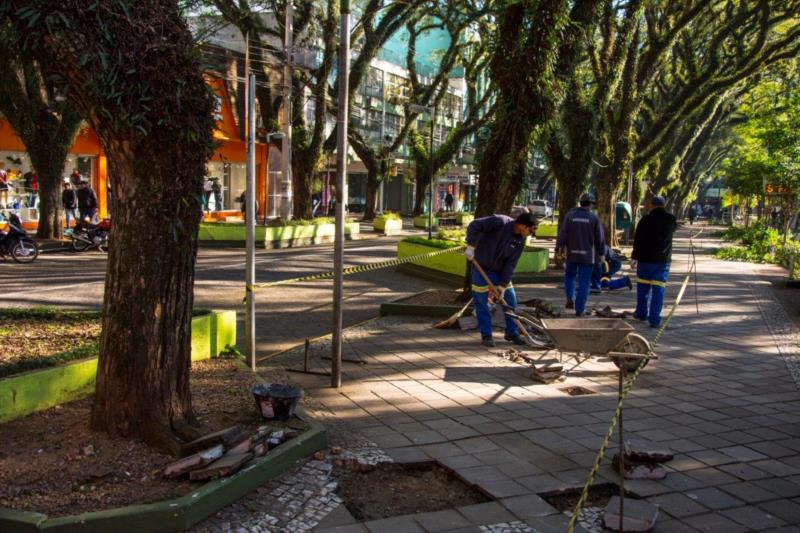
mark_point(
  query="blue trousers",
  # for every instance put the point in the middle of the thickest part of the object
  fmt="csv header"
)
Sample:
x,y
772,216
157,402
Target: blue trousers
x,y
480,295
650,278
584,275
601,279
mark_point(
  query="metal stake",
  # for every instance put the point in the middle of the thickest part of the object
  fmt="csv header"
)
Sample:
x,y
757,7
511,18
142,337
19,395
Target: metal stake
x,y
622,361
250,214
341,172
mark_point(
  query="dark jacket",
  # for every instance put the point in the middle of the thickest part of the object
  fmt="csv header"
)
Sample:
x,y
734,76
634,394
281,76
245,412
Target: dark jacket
x,y
87,199
497,247
652,242
68,199
582,235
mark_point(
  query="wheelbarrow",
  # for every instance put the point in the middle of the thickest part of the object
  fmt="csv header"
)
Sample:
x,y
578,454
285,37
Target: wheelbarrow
x,y
585,338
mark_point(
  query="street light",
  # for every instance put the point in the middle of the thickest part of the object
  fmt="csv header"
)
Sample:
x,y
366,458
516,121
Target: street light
x,y
417,108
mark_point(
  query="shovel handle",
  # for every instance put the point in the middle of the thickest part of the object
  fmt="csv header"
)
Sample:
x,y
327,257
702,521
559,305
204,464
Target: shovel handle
x,y
482,272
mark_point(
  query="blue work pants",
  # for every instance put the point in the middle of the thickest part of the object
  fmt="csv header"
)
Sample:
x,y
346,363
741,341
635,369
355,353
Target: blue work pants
x,y
650,278
480,295
584,275
601,279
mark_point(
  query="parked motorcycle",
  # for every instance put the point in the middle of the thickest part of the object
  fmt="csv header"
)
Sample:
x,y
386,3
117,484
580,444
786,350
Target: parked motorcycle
x,y
16,243
86,235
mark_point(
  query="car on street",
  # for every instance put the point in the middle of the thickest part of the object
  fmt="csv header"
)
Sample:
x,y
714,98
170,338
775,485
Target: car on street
x,y
541,208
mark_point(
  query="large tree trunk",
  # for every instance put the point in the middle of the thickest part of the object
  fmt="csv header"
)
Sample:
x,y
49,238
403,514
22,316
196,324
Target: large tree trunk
x,y
607,189
138,82
373,179
423,182
504,155
48,161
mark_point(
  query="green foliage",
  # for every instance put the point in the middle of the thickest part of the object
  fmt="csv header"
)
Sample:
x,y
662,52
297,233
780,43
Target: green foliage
x,y
19,366
452,234
279,222
390,215
756,244
231,352
433,243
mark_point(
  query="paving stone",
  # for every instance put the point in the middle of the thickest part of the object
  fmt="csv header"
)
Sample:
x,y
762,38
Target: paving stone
x,y
714,523
486,513
408,455
502,488
753,517
677,505
744,471
353,528
714,498
781,487
337,517
742,453
528,506
748,492
446,520
397,524
788,511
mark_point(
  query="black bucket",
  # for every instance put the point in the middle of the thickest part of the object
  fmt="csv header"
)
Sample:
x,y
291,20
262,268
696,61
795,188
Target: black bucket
x,y
276,401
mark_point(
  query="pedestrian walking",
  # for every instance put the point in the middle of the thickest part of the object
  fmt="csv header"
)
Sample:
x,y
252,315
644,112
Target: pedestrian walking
x,y
692,214
216,189
496,243
3,188
206,193
448,202
651,257
87,201
70,202
582,241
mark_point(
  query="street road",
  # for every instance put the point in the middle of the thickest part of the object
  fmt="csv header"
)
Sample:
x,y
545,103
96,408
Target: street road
x,y
285,315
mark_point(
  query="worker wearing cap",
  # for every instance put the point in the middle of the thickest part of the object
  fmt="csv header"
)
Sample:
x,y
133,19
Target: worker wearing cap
x,y
581,240
496,243
652,253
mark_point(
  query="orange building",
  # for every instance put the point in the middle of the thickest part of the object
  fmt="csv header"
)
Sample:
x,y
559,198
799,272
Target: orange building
x,y
228,163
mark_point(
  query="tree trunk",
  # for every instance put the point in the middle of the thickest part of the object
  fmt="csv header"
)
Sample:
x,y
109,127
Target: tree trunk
x,y
607,189
423,182
504,155
153,113
373,179
48,161
302,177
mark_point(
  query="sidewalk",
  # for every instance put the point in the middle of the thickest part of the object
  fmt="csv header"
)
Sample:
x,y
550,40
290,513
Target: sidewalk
x,y
721,396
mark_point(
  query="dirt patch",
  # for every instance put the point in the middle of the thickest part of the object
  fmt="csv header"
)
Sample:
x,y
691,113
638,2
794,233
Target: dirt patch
x,y
576,391
51,461
599,496
436,297
30,333
391,489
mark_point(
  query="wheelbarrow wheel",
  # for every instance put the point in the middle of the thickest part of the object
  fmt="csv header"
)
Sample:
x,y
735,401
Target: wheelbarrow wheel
x,y
633,343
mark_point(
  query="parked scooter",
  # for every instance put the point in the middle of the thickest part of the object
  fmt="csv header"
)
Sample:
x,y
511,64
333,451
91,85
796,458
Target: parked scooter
x,y
16,243
86,235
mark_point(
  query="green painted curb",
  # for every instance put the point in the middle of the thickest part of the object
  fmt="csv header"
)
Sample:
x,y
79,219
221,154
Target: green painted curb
x,y
22,394
180,513
387,225
422,222
233,234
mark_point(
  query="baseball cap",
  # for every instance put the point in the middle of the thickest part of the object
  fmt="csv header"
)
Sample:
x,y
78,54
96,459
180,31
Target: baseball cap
x,y
527,219
658,201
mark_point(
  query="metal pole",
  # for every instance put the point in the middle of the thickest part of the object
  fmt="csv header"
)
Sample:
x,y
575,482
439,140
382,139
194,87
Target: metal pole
x,y
250,215
430,169
286,188
341,172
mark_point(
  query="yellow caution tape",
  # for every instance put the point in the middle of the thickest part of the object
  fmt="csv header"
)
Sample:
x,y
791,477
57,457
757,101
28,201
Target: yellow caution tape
x,y
357,269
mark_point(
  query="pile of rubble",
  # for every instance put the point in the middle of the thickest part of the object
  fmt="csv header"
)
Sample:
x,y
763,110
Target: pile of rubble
x,y
225,452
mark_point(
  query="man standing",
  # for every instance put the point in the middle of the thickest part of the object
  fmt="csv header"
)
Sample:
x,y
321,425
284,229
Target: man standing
x,y
581,240
652,253
496,243
69,201
87,201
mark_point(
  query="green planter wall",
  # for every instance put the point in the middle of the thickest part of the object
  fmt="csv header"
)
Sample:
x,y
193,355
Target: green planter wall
x,y
36,390
422,221
464,218
389,226
272,236
532,260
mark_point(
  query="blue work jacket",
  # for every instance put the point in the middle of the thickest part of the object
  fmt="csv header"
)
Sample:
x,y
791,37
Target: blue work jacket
x,y
581,234
497,247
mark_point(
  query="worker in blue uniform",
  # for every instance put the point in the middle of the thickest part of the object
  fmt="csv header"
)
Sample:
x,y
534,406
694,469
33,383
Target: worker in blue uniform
x,y
602,276
651,257
582,242
496,243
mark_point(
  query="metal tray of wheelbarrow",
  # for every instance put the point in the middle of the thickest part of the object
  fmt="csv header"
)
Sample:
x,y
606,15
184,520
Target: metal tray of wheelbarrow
x,y
587,335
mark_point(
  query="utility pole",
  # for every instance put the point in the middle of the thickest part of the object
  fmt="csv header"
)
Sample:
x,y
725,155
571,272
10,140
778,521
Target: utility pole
x,y
286,186
250,215
341,172
430,170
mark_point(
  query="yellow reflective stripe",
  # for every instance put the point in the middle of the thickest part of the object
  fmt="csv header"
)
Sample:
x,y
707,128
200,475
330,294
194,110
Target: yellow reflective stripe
x,y
651,282
480,288
604,279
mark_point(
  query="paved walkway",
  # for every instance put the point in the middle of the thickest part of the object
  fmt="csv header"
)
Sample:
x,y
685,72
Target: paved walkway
x,y
721,396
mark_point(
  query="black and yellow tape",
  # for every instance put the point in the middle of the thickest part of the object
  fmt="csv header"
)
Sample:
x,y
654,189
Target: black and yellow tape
x,y
357,269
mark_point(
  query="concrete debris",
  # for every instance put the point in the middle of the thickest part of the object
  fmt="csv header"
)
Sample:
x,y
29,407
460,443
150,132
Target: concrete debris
x,y
182,466
227,465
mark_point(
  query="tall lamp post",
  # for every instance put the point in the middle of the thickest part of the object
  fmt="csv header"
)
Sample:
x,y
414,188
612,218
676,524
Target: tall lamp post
x,y
417,108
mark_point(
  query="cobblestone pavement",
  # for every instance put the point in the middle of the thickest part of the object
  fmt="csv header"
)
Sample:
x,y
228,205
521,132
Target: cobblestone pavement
x,y
722,396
